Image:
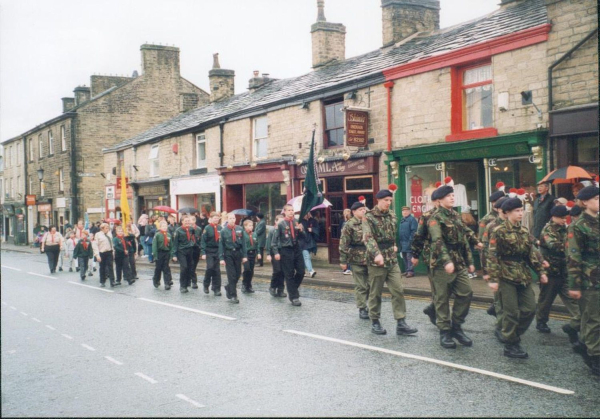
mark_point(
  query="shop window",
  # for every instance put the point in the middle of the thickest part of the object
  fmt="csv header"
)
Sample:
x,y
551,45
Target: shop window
x,y
153,161
472,103
359,183
268,198
50,143
335,184
321,184
30,143
61,181
41,146
334,124
200,151
63,138
587,153
260,136
515,172
420,183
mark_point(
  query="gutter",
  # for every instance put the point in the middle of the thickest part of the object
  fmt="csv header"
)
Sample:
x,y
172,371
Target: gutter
x,y
389,86
221,140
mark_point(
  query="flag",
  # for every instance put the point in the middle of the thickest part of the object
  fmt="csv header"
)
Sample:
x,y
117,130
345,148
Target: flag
x,y
313,195
125,213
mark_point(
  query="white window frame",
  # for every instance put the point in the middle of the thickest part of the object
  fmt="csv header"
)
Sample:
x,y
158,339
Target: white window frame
x,y
50,143
41,145
200,140
12,188
18,152
61,180
63,138
154,161
19,191
258,140
30,149
346,178
8,156
30,185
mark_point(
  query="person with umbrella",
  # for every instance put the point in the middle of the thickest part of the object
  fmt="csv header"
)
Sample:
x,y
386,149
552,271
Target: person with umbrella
x,y
183,248
209,249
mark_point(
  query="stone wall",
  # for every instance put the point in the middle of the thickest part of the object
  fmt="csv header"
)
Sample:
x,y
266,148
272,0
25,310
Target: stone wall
x,y
402,18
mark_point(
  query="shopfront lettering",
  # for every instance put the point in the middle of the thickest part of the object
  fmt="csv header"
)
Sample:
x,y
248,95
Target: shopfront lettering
x,y
338,167
357,126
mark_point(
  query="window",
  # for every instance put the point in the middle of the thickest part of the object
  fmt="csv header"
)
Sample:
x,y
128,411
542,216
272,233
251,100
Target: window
x,y
12,188
63,138
472,103
260,134
19,191
334,125
30,185
61,181
153,161
18,151
41,145
50,143
8,156
120,161
30,144
200,151
359,183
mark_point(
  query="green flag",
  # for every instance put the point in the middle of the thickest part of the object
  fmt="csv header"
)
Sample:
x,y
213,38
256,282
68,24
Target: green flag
x,y
313,195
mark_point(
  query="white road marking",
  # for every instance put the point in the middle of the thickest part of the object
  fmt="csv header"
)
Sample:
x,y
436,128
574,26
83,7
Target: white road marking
x,y
89,286
206,313
36,320
145,377
437,361
23,313
67,336
50,327
12,352
42,276
13,307
114,361
8,267
88,347
187,399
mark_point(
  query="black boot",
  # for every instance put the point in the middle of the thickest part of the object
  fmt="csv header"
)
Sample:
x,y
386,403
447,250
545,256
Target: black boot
x,y
377,328
363,313
514,350
244,289
571,332
580,348
542,327
460,336
281,294
430,311
403,329
217,292
273,292
195,285
596,365
206,290
491,310
446,339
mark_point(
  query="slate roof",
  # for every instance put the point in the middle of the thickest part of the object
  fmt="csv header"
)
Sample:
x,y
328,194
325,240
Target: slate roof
x,y
367,67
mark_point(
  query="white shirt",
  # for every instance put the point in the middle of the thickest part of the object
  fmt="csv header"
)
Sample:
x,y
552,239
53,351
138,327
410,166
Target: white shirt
x,y
104,242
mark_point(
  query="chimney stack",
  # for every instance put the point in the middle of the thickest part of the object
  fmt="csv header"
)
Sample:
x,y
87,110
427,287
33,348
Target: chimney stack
x,y
160,61
68,103
82,94
221,81
258,81
328,39
403,18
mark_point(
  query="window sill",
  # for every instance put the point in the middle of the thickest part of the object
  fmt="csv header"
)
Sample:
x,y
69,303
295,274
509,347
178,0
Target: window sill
x,y
472,135
200,171
50,155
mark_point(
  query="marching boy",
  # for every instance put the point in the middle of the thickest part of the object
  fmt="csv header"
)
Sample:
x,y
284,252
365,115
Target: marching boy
x,y
251,241
161,250
70,244
83,252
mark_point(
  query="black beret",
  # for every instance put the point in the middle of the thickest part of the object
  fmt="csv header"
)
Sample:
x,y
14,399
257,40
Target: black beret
x,y
576,211
496,196
559,211
588,192
511,204
357,205
498,203
384,193
441,192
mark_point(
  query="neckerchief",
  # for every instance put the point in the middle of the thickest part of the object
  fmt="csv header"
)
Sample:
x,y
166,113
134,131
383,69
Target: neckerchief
x,y
214,226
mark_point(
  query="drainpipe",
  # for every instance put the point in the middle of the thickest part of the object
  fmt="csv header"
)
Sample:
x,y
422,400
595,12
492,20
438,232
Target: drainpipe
x,y
389,86
221,135
74,203
26,184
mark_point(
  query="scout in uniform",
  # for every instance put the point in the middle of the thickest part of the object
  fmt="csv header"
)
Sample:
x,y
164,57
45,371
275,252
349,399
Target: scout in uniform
x,y
511,254
131,252
183,251
251,242
82,253
196,251
277,278
162,246
379,236
122,257
583,265
353,251
232,253
209,248
261,236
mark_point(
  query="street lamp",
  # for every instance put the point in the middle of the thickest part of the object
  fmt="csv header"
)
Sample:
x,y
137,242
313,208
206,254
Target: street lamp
x,y
40,174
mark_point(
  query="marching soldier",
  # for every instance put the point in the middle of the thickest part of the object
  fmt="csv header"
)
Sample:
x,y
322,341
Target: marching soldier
x,y
353,251
553,239
511,254
232,253
277,278
584,273
209,248
162,246
183,249
251,243
379,236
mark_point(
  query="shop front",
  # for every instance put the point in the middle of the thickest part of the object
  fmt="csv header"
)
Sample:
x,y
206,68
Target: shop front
x,y
200,192
146,195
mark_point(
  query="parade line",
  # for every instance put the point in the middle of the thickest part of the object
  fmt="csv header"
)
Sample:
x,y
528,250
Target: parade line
x,y
436,361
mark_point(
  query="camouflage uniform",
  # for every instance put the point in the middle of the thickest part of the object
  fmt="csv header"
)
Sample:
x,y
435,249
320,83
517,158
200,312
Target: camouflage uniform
x,y
421,243
353,251
552,243
449,244
583,264
379,236
483,223
485,254
511,254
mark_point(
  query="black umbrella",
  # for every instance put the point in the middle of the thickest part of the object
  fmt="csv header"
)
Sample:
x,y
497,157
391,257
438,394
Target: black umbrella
x,y
243,211
188,210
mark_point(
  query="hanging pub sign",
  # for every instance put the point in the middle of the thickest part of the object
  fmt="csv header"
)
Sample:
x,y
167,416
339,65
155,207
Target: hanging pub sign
x,y
357,128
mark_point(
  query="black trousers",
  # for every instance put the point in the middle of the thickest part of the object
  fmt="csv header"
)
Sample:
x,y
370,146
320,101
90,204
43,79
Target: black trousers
x,y
132,264
249,269
162,265
185,257
52,254
195,260
122,268
261,251
277,281
213,270
292,264
233,267
83,266
106,267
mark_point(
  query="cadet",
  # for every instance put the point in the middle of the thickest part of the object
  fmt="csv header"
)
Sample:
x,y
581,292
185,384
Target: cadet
x,y
552,244
83,253
251,242
353,251
195,250
379,236
450,261
261,235
584,276
277,278
162,246
286,249
511,254
209,248
122,257
232,253
183,251
131,252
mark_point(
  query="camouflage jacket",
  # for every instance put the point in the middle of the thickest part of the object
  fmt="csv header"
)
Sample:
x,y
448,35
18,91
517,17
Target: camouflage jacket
x,y
449,240
379,235
421,243
511,254
491,216
583,253
352,247
552,245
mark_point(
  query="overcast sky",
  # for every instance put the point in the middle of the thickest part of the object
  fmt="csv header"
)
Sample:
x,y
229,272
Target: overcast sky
x,y
48,47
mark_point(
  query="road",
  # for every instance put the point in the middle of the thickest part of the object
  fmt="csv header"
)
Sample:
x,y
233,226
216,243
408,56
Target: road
x,y
70,348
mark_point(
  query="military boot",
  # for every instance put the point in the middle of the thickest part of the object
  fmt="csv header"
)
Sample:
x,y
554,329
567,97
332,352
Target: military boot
x,y
542,327
568,329
491,310
580,348
514,350
430,311
460,336
446,339
377,328
403,329
363,313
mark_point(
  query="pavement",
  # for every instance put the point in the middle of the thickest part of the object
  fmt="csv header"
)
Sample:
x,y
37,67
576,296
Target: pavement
x,y
331,276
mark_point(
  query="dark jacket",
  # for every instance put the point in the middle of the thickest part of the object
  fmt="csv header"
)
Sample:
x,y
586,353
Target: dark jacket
x,y
261,233
308,241
541,213
406,232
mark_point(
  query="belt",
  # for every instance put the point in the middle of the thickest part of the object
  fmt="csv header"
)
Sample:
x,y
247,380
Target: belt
x,y
358,246
513,258
385,245
454,246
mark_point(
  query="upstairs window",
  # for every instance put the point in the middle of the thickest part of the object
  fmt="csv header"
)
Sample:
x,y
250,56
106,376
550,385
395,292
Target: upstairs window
x,y
153,161
334,124
261,136
41,146
61,180
63,138
200,151
30,185
8,156
50,143
30,143
18,151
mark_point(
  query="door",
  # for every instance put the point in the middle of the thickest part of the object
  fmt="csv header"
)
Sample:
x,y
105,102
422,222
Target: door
x,y
335,217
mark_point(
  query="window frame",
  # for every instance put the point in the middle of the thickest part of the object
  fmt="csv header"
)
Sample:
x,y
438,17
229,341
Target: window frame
x,y
326,129
154,161
31,153
17,148
41,146
63,138
200,139
346,190
30,190
50,143
256,139
61,180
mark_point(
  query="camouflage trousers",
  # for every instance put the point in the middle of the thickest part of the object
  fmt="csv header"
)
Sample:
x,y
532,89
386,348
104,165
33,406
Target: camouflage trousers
x,y
378,275
444,285
557,286
360,274
590,320
518,309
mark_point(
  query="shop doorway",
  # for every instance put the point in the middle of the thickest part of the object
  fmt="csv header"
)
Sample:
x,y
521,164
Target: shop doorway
x,y
469,189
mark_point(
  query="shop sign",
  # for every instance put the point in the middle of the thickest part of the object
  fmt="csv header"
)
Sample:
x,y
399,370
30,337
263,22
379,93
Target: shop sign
x,y
29,200
357,128
110,204
110,192
60,203
357,166
152,190
44,208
